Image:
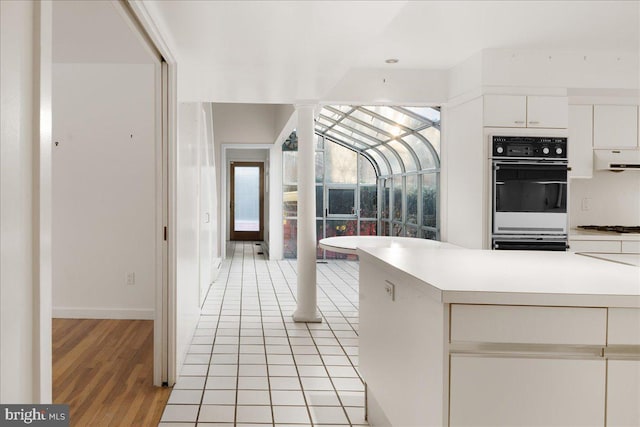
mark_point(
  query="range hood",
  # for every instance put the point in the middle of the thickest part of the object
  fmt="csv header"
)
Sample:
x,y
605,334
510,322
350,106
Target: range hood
x,y
617,160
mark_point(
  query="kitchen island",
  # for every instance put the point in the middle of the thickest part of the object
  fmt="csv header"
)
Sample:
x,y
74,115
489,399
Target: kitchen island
x,y
471,337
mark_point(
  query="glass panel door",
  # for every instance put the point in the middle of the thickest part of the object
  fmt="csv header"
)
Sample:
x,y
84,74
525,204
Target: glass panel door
x,y
246,201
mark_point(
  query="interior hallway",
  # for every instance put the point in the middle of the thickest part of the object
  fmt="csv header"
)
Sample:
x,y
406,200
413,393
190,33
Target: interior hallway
x,y
250,364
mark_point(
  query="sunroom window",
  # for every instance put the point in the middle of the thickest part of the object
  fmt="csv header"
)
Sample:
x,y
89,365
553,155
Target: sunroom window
x,y
377,173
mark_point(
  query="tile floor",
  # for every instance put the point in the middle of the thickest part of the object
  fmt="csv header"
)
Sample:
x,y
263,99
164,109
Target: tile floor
x,y
250,365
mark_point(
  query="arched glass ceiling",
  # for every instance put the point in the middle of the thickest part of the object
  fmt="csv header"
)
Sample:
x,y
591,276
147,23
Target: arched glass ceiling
x,y
397,139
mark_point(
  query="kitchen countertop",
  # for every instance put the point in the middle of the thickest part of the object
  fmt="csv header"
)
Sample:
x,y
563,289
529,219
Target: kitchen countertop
x,y
578,234
350,244
629,259
476,276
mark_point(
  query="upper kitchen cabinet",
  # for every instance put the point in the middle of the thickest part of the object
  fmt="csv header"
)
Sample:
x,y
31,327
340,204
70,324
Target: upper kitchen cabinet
x,y
580,141
615,126
519,111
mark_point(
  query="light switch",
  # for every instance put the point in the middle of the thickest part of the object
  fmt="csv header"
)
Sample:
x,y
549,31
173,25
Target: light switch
x,y
390,290
131,279
586,204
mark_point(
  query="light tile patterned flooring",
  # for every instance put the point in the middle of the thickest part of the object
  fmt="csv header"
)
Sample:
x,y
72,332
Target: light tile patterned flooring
x,y
250,365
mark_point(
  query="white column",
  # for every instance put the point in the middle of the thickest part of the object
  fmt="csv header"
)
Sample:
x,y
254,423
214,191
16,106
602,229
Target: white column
x,y
306,310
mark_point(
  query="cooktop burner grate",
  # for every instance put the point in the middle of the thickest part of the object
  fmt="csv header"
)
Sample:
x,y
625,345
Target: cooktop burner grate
x,y
612,228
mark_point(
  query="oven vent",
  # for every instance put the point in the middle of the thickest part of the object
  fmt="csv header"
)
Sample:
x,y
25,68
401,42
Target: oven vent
x,y
617,160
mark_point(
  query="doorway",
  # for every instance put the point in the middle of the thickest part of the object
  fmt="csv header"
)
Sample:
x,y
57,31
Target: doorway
x,y
247,201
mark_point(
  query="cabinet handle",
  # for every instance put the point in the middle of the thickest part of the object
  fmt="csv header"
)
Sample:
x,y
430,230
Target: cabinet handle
x,y
534,123
519,122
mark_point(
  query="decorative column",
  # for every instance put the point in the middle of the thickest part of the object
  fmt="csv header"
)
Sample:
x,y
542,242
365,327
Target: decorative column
x,y
306,310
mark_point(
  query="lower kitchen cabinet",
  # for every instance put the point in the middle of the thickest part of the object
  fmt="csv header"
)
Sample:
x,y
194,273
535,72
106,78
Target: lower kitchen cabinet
x,y
505,391
603,246
623,393
427,361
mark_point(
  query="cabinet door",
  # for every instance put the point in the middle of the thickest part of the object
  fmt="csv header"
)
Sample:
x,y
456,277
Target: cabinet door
x,y
623,393
547,112
580,144
631,247
602,246
505,111
615,126
494,391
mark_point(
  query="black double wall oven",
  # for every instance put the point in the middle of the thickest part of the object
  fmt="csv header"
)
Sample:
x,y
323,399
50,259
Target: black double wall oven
x,y
529,193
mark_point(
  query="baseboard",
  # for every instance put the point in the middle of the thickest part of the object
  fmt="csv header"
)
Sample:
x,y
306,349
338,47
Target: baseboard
x,y
375,414
103,313
216,265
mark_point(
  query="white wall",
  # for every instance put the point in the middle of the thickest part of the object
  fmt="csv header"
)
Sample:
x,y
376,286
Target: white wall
x,y
464,161
615,199
396,86
465,77
17,129
560,69
104,207
208,232
526,70
196,261
245,123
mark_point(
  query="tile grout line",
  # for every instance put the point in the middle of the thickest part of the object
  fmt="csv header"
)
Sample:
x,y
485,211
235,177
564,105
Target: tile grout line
x,y
264,341
320,355
295,363
215,335
268,291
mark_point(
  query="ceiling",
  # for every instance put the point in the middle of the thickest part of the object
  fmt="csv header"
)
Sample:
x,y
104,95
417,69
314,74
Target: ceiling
x,y
281,51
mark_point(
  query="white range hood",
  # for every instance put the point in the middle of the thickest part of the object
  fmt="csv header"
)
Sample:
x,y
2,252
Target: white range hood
x,y
617,160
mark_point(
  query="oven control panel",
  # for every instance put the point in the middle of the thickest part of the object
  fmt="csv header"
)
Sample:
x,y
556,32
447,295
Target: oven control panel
x,y
529,147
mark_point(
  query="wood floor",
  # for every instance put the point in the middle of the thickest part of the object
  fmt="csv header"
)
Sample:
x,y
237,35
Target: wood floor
x,y
104,370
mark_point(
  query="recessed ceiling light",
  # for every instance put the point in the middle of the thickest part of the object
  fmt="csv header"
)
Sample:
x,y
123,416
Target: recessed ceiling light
x,y
392,61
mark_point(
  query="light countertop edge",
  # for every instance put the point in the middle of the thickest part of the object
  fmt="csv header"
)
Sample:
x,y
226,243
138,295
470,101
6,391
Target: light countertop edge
x,y
573,298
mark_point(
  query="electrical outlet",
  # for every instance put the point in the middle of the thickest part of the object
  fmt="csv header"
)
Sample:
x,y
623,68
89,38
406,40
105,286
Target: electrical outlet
x,y
130,279
586,204
390,290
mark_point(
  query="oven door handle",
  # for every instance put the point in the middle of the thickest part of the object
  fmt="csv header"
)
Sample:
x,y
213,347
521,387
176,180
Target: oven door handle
x,y
531,245
537,166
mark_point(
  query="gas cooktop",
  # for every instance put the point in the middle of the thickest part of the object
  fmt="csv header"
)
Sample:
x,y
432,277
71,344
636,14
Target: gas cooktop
x,y
612,228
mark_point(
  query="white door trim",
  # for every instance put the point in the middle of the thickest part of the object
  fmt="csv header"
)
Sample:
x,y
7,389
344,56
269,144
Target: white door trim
x,y
42,205
165,321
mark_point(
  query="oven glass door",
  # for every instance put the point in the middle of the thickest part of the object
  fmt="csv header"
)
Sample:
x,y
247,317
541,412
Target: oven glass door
x,y
530,197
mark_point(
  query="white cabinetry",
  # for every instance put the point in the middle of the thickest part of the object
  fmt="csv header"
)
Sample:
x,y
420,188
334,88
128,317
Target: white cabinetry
x,y
601,246
623,376
631,247
428,361
505,111
504,359
580,141
519,111
547,112
623,393
609,246
499,391
615,126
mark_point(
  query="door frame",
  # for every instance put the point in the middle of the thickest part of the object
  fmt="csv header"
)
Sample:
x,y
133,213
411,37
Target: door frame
x,y
164,338
233,235
225,191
